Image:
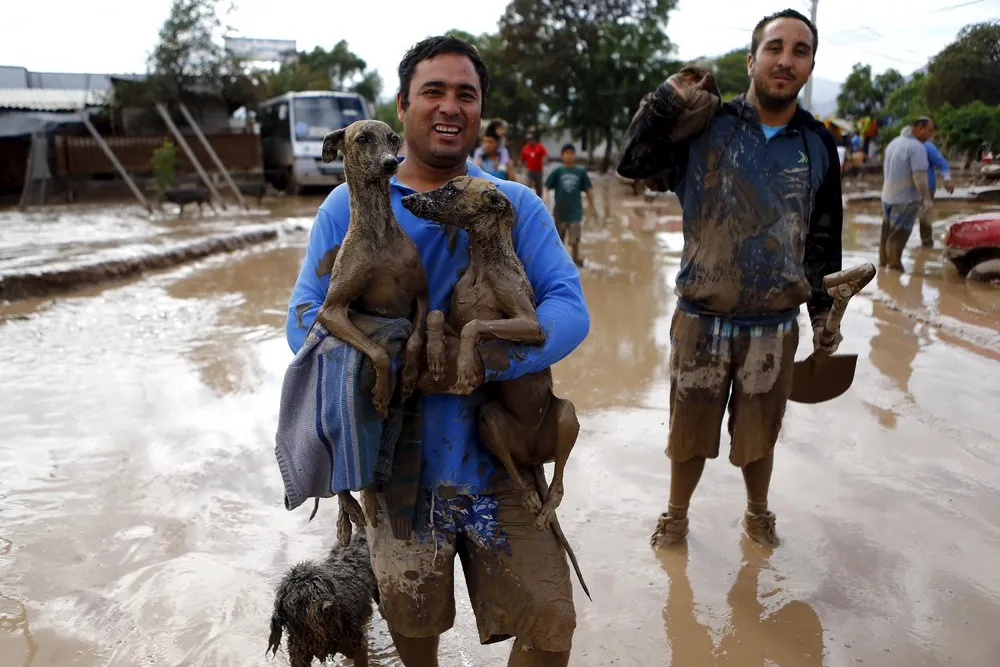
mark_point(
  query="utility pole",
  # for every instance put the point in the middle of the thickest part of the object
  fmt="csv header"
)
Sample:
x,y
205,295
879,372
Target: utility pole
x,y
808,98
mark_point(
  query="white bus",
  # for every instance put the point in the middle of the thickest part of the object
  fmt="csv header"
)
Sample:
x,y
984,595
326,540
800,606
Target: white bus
x,y
292,127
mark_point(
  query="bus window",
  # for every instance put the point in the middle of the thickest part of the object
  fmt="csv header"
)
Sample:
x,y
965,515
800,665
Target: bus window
x,y
315,117
352,109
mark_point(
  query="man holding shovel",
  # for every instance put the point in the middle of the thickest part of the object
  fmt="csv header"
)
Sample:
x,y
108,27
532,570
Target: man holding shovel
x,y
759,182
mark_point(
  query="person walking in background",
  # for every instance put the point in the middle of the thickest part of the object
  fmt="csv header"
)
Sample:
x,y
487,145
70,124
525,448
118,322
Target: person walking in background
x,y
936,163
906,191
567,182
533,156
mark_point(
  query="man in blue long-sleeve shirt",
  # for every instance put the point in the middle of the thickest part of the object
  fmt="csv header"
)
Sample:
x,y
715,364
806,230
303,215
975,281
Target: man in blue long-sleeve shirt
x,y
517,576
937,164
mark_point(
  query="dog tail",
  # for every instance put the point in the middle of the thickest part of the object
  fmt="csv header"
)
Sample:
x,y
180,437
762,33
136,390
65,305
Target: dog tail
x,y
274,641
543,491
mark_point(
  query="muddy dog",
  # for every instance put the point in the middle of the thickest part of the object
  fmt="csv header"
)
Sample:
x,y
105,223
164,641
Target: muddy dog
x,y
522,423
326,605
377,269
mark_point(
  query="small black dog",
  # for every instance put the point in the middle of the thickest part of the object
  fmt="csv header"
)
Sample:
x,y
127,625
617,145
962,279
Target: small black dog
x,y
326,605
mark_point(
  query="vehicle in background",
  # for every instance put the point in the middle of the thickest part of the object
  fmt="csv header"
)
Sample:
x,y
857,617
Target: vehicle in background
x,y
292,127
973,245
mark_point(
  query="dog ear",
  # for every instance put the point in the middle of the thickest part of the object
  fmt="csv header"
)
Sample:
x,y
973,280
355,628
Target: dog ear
x,y
332,143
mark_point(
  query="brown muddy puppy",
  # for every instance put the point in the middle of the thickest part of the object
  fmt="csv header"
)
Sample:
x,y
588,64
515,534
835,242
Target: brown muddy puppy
x,y
325,606
377,270
522,423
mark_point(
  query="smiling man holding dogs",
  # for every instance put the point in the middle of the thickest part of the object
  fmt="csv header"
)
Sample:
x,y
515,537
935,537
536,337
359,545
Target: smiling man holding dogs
x,y
518,577
759,182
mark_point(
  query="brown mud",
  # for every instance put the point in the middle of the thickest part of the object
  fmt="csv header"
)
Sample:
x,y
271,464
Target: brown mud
x,y
141,514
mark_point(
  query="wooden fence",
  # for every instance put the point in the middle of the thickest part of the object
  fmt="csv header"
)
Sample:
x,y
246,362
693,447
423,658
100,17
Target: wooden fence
x,y
81,157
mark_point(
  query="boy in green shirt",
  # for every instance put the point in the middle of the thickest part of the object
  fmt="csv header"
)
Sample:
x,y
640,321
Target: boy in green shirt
x,y
567,182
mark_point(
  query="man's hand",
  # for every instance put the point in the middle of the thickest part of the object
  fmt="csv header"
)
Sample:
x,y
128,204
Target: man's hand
x,y
949,187
691,79
446,385
819,333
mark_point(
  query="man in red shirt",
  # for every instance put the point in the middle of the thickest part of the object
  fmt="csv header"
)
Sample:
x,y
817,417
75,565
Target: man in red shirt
x,y
532,155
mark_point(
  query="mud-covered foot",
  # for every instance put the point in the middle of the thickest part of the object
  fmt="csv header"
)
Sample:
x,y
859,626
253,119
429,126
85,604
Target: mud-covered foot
x,y
411,375
669,530
435,359
466,381
761,528
927,244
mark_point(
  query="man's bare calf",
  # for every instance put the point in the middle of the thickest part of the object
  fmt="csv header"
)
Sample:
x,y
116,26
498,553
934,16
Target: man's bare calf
x,y
523,423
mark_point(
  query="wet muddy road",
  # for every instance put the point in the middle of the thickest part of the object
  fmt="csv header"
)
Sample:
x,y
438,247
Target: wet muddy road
x,y
141,520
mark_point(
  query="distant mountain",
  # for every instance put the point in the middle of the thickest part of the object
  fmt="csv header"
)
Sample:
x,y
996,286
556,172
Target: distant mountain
x,y
824,95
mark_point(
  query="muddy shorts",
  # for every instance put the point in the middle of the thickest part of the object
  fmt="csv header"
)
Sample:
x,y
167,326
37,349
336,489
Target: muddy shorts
x,y
569,232
897,225
715,364
518,577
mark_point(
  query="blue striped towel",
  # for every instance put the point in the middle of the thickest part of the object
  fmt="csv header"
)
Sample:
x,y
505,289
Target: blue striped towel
x,y
329,437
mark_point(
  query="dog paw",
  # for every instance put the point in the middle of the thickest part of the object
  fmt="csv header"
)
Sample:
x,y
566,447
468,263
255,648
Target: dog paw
x,y
411,376
532,502
344,529
436,361
466,381
548,510
380,397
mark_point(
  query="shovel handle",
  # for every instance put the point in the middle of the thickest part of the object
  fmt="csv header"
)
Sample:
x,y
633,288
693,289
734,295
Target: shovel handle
x,y
832,325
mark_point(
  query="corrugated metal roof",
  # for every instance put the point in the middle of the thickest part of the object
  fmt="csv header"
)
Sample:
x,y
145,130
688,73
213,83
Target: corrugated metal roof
x,y
48,99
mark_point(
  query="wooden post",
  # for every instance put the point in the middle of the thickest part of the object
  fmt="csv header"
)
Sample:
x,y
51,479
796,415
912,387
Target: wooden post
x,y
190,155
114,160
212,154
28,169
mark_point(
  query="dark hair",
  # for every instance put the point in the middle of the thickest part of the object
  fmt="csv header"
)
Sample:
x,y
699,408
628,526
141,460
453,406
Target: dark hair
x,y
436,46
783,14
491,132
495,125
568,147
924,120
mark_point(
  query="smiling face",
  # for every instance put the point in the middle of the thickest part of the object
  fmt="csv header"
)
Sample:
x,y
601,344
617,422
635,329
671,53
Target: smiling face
x,y
443,115
782,63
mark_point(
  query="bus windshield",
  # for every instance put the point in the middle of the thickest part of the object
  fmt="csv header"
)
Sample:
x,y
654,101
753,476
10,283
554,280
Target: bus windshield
x,y
317,116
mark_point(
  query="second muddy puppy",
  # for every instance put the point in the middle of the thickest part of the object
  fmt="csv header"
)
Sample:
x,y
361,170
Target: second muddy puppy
x,y
522,423
377,270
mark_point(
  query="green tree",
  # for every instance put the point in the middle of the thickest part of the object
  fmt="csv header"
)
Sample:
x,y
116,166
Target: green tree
x,y
590,61
864,95
386,112
189,56
731,73
968,127
319,69
968,69
908,101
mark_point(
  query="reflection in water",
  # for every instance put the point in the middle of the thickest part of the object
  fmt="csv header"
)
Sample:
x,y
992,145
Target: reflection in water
x,y
896,343
791,636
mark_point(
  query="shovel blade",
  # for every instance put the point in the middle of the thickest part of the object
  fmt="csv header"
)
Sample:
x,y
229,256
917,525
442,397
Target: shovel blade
x,y
817,379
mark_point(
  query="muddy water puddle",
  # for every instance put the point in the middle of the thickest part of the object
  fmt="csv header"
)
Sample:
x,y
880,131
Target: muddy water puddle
x,y
140,506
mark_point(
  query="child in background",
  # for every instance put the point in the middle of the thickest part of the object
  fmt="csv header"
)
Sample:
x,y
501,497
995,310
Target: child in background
x,y
497,129
567,182
490,159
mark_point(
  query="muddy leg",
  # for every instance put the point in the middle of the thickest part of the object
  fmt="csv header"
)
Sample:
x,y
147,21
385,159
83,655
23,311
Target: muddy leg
x,y
337,321
496,430
414,348
435,344
567,428
532,657
416,652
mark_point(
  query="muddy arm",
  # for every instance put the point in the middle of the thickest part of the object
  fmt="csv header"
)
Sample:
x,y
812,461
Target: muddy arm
x,y
659,135
823,252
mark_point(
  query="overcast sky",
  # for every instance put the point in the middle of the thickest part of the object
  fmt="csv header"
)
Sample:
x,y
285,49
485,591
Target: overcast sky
x,y
64,36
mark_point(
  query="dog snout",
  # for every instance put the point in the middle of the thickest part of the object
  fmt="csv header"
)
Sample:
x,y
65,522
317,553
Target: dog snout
x,y
390,165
